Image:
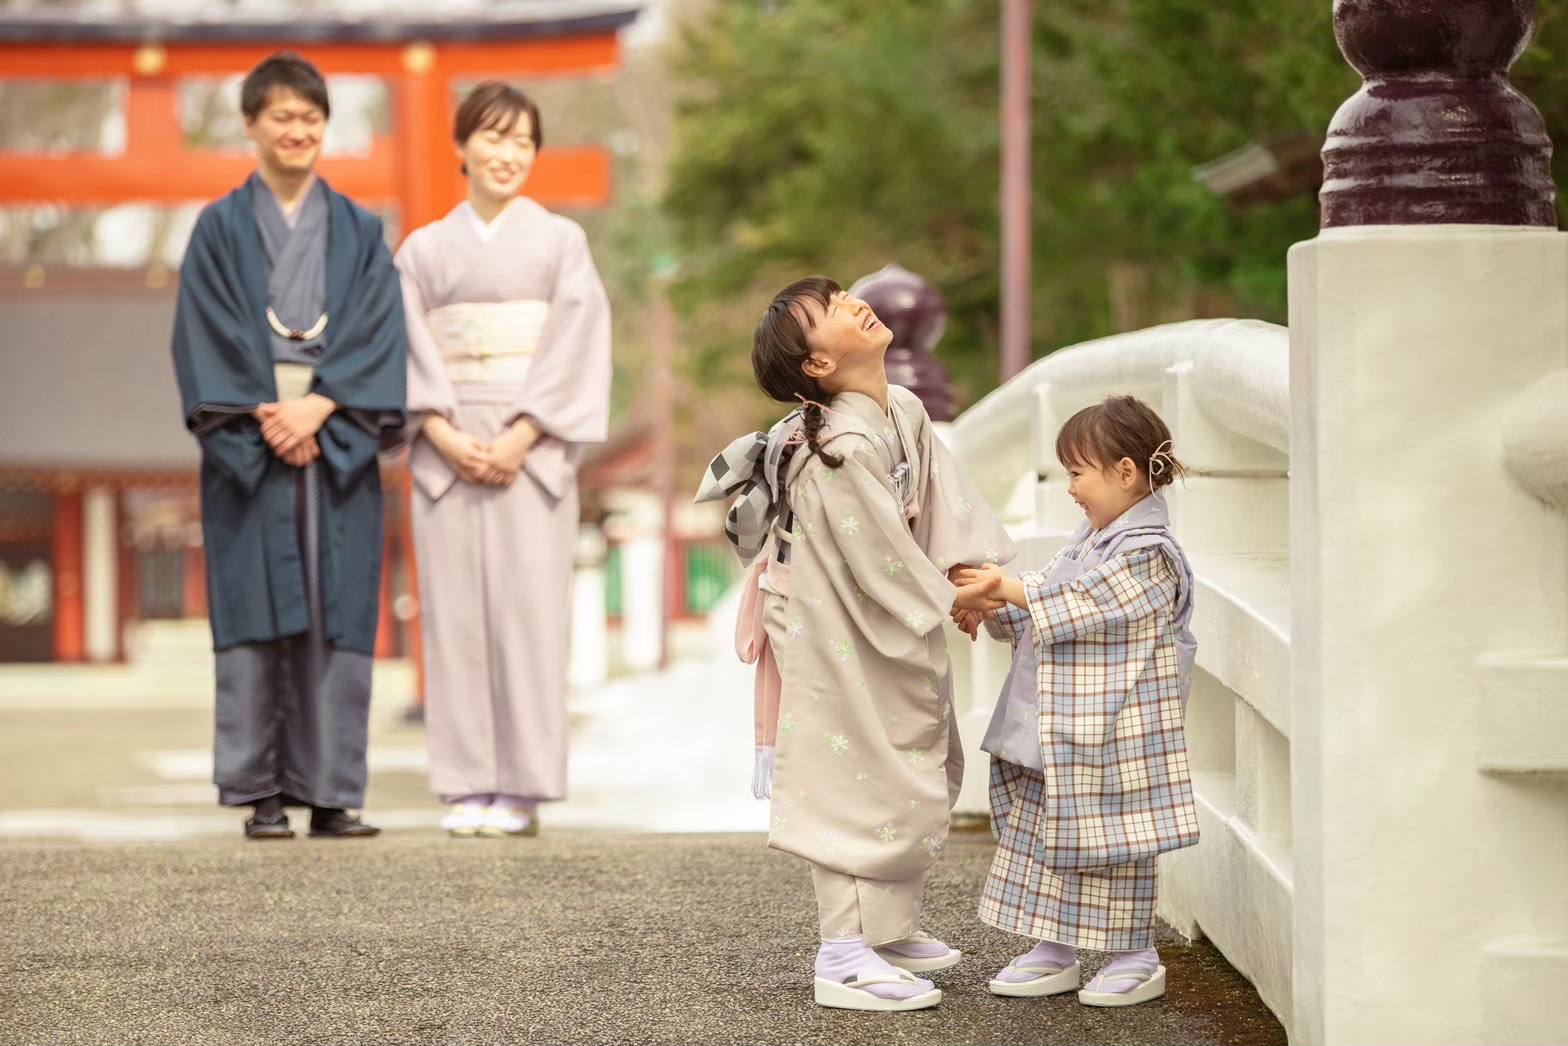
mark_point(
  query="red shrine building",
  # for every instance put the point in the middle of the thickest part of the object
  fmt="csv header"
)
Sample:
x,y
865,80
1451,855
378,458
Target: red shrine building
x,y
99,527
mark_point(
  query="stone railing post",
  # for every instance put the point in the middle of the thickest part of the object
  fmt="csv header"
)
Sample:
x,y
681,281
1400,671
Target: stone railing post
x,y
1430,585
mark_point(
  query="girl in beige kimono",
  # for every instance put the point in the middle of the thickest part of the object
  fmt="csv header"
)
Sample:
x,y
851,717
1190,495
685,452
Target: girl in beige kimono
x,y
873,517
509,382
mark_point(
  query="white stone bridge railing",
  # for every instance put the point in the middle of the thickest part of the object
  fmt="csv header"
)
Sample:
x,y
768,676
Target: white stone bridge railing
x,y
1223,388
1379,723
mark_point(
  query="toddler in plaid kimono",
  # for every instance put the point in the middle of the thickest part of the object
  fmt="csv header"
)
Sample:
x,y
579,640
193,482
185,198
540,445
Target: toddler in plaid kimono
x,y
1089,778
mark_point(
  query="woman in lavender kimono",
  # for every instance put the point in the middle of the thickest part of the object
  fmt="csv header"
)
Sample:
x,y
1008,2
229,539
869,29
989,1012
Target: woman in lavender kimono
x,y
509,375
1090,780
875,514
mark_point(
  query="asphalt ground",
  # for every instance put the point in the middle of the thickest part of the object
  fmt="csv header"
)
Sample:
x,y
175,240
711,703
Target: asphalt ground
x,y
575,937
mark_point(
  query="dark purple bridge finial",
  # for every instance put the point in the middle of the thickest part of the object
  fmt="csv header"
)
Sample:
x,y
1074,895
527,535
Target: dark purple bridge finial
x,y
1437,134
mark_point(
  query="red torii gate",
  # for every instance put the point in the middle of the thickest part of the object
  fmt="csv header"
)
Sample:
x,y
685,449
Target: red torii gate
x,y
412,169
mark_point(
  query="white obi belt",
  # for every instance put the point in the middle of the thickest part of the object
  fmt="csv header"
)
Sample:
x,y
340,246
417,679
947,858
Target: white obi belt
x,y
488,343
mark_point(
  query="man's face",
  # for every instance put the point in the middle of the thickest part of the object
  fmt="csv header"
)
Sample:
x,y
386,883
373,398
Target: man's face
x,y
287,132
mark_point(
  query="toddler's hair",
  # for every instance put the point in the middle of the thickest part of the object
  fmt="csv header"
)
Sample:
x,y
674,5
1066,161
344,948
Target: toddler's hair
x,y
1121,427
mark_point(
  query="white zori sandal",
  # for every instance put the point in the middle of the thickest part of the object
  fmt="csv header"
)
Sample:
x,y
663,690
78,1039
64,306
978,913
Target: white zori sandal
x,y
896,955
1152,986
852,994
1047,980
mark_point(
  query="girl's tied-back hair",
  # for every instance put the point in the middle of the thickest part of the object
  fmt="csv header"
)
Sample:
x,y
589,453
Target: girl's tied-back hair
x,y
778,348
1121,427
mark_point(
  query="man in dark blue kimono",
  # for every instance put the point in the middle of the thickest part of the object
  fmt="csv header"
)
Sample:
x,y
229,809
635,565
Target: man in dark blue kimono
x,y
290,353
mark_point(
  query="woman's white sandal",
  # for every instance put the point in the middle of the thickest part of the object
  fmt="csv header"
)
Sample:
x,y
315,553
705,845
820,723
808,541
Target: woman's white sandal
x,y
1052,980
463,820
1152,988
852,995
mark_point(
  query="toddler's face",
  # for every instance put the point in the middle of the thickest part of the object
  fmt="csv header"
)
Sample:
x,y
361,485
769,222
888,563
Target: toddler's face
x,y
1104,493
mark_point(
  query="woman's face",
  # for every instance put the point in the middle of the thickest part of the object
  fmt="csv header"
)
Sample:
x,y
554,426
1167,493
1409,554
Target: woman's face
x,y
842,335
498,161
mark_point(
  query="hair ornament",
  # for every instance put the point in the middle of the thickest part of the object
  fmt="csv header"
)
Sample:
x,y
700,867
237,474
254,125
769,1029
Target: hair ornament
x,y
1159,462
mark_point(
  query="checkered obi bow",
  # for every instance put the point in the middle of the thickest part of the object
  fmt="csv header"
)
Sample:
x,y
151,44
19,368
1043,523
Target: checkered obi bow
x,y
755,465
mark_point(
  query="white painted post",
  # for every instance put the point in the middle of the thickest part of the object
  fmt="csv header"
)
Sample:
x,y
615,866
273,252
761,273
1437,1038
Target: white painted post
x,y
588,664
642,599
100,573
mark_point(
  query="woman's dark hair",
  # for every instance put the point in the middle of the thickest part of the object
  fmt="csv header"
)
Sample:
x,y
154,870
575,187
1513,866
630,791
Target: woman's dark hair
x,y
778,348
1121,427
288,71
495,105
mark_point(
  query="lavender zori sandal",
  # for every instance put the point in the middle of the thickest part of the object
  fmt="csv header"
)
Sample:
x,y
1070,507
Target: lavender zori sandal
x,y
919,953
1046,980
852,994
1149,986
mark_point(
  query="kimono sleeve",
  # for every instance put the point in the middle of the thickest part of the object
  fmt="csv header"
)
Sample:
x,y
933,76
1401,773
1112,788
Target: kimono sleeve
x,y
1010,623
1124,588
365,369
430,391
864,520
212,360
568,390
957,526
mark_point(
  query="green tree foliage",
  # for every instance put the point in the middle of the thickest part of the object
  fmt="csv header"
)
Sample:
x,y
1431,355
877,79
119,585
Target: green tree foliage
x,y
824,136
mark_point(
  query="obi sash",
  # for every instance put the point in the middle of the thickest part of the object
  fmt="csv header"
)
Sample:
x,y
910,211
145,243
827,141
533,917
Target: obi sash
x,y
488,343
293,380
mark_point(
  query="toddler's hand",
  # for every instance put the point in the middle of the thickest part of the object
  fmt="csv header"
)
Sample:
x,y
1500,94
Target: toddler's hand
x,y
977,590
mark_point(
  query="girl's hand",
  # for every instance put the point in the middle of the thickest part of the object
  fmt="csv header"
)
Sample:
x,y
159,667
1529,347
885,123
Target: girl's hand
x,y
968,621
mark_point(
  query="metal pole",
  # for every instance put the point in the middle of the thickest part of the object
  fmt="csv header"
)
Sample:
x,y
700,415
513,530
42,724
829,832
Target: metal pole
x,y
1016,43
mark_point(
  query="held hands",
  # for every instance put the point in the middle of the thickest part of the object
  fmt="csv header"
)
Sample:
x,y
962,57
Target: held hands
x,y
290,427
968,621
998,588
976,591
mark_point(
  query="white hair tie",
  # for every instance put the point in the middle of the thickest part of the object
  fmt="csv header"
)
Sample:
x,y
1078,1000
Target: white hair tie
x,y
1159,461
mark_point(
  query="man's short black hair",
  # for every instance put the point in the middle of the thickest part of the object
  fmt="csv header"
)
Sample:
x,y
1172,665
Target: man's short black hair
x,y
288,71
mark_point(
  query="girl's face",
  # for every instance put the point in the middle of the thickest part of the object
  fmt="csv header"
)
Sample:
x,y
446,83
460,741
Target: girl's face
x,y
498,161
843,338
1105,493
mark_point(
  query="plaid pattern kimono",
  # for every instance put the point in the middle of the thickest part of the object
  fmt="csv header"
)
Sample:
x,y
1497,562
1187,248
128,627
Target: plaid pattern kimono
x,y
1076,842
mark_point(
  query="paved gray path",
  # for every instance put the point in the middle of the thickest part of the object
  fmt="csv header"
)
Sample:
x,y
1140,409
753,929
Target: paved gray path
x,y
577,937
